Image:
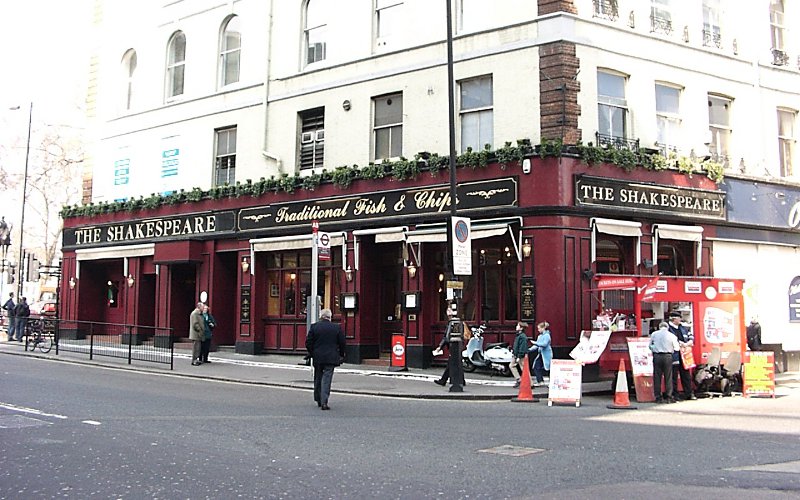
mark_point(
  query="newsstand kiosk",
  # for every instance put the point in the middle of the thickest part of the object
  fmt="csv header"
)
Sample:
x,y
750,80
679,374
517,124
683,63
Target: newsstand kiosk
x,y
633,305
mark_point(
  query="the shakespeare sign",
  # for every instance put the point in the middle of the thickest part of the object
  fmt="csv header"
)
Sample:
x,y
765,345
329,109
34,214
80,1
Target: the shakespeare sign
x,y
639,196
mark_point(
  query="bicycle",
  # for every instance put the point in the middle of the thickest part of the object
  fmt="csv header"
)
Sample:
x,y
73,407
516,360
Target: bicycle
x,y
38,338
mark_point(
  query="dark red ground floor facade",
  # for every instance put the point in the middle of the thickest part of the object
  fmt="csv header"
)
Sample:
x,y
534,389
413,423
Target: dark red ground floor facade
x,y
538,240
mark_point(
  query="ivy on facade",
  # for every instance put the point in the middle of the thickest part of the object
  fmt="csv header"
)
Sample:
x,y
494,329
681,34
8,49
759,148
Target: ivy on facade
x,y
409,169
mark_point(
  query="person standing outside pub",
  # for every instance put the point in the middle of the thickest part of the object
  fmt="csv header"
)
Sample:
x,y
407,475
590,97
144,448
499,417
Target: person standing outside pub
x,y
197,332
22,312
545,356
663,343
519,350
325,343
209,323
685,341
11,325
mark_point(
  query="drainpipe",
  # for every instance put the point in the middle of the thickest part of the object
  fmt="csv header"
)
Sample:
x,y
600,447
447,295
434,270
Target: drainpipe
x,y
265,150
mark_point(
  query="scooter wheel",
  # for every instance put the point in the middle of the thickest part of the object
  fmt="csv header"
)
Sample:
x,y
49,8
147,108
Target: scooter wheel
x,y
468,366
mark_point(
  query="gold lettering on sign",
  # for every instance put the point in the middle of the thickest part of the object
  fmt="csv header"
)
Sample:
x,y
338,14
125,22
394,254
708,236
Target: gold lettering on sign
x,y
307,213
432,199
151,229
369,207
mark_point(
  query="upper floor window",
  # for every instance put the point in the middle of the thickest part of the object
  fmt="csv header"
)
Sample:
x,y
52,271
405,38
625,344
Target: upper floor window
x,y
778,32
472,15
606,9
712,17
225,161
388,126
387,19
129,62
786,141
612,108
230,51
477,113
660,16
176,64
719,124
316,18
668,120
312,138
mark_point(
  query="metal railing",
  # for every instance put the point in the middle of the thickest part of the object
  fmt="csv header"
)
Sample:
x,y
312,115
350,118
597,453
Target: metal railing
x,y
130,342
712,39
606,9
616,142
660,25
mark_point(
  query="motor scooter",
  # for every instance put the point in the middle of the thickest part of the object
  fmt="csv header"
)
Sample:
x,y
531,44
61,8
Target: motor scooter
x,y
496,357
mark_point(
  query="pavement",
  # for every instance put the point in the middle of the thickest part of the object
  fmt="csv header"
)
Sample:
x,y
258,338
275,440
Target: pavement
x,y
289,371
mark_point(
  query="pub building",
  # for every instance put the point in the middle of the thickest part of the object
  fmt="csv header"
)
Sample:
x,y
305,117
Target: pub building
x,y
541,233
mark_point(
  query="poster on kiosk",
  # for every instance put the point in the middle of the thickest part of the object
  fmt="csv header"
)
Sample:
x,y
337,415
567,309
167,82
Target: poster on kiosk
x,y
711,308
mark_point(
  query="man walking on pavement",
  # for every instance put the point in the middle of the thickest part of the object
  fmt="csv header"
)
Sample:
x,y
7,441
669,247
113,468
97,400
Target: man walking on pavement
x,y
197,332
22,312
325,343
11,324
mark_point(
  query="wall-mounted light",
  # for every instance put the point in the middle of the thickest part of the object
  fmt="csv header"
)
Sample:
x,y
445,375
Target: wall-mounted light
x,y
245,265
441,277
348,274
72,283
292,276
412,270
588,274
526,248
131,281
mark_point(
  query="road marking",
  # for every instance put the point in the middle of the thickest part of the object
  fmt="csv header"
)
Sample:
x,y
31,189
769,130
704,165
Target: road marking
x,y
91,422
33,411
511,450
788,467
20,421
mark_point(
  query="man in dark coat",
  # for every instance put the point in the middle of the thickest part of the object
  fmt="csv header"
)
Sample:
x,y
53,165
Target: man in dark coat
x,y
754,335
22,312
685,339
325,344
9,306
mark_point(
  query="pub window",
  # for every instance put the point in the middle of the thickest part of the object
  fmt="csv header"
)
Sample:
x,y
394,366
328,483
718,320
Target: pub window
x,y
288,282
672,259
615,247
679,249
610,257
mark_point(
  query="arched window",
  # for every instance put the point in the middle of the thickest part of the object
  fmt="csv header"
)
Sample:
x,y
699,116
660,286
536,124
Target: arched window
x,y
129,62
610,257
315,30
230,49
176,64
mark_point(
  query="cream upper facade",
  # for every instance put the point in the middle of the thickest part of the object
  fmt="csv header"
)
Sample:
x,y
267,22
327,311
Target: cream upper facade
x,y
228,91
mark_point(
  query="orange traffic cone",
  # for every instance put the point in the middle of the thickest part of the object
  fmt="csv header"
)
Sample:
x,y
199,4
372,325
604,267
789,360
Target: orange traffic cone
x,y
525,394
621,399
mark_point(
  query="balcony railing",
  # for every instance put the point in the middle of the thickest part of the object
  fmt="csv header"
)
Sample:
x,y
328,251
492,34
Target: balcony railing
x,y
722,159
712,38
606,9
611,141
660,25
780,58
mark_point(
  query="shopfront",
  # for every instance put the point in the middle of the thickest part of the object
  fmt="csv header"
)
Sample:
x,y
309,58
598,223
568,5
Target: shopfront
x,y
538,239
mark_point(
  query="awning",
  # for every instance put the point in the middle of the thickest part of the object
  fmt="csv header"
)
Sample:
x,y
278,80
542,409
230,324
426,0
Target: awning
x,y
118,252
382,235
683,233
617,228
294,242
479,229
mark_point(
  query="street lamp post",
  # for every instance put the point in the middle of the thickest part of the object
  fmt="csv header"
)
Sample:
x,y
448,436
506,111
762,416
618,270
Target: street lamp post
x,y
24,196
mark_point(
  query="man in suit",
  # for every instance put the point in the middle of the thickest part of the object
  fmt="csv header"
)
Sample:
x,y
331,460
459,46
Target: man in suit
x,y
325,344
197,333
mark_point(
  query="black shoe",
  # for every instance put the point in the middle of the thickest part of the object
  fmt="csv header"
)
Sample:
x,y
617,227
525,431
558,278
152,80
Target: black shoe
x,y
196,363
325,407
439,381
206,361
516,384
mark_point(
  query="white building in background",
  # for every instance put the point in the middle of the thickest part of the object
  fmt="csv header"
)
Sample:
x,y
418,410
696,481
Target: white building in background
x,y
197,94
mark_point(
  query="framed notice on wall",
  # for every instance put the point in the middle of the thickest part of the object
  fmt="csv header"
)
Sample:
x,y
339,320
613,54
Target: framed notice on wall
x,y
527,299
244,304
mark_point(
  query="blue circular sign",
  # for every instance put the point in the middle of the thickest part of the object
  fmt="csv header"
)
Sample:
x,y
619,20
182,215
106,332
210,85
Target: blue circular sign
x,y
461,231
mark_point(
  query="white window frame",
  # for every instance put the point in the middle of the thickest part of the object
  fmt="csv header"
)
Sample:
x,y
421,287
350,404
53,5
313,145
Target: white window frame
x,y
471,15
626,228
721,133
787,141
227,54
484,114
129,63
776,24
388,20
660,10
394,128
176,68
611,104
682,233
712,22
668,121
315,27
221,156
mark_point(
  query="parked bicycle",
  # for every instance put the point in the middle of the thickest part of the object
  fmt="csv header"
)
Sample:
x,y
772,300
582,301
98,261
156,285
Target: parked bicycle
x,y
37,337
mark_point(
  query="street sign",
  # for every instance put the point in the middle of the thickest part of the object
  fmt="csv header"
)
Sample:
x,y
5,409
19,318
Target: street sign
x,y
462,246
314,226
324,246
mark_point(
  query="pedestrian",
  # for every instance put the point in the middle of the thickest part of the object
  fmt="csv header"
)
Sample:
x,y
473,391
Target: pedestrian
x,y
21,313
452,322
663,343
544,351
754,335
9,307
685,340
196,332
519,350
325,343
209,323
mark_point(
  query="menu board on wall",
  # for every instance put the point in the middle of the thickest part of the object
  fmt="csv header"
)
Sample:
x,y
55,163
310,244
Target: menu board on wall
x,y
244,308
527,299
